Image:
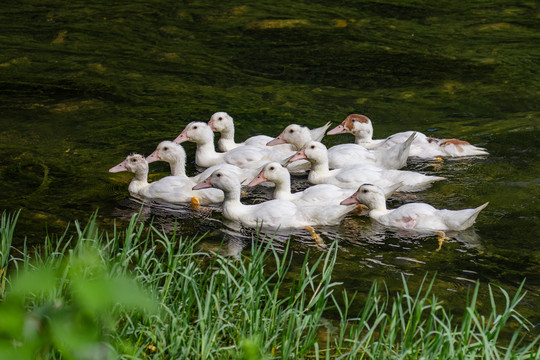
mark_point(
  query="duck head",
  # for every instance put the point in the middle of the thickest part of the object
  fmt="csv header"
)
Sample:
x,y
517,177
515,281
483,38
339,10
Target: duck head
x,y
358,125
222,179
272,171
313,151
293,134
367,194
167,151
133,163
221,121
197,132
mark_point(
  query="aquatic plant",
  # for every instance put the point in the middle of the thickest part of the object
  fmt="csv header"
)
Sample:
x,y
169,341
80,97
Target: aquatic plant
x,y
7,228
143,293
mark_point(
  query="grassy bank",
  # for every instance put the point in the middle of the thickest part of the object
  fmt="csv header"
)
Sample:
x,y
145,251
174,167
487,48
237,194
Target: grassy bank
x,y
140,293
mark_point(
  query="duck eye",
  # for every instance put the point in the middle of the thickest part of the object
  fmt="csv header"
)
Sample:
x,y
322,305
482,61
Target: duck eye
x,y
291,131
194,127
220,118
218,175
165,148
365,191
272,168
312,146
133,160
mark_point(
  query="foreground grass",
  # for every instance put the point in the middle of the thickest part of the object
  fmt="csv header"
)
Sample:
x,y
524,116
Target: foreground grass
x,y
143,294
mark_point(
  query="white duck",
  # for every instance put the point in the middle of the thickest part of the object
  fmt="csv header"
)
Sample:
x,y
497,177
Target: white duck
x,y
271,214
355,175
170,189
313,195
243,156
175,155
413,216
426,147
223,123
347,154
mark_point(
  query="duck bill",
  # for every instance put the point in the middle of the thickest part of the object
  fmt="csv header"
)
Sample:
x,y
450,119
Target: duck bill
x,y
258,179
204,185
340,129
153,157
182,137
279,140
300,155
351,200
211,124
119,168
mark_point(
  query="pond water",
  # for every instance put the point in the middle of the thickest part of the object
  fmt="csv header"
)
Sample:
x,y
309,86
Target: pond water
x,y
84,84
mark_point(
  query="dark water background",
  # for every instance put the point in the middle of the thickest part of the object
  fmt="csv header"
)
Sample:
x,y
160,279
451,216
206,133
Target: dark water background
x,y
84,83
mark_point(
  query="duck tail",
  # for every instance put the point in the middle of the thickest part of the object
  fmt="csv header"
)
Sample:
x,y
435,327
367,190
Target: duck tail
x,y
390,190
468,221
403,151
339,214
419,182
396,156
404,148
318,133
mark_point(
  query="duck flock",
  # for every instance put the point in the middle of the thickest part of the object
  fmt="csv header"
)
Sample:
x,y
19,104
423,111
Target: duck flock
x,y
365,172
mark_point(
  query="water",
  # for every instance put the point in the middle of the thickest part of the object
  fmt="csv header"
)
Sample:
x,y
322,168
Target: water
x,y
83,85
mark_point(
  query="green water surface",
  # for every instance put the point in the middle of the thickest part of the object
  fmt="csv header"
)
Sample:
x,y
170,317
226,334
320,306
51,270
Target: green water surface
x,y
84,83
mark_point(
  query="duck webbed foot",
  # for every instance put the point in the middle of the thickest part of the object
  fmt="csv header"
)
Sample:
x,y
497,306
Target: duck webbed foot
x,y
195,203
437,163
441,237
316,236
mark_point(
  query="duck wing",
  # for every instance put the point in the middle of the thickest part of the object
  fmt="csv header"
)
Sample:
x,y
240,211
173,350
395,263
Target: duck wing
x,y
275,214
172,189
417,216
344,155
353,176
322,193
328,213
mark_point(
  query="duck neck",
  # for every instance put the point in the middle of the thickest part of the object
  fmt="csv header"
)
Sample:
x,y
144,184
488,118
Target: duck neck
x,y
227,134
363,136
206,155
226,140
138,183
233,194
283,189
377,207
358,140
231,203
319,170
178,168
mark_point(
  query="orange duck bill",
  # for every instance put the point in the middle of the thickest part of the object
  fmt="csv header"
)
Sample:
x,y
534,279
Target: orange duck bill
x,y
153,157
337,130
183,137
351,200
258,179
300,155
278,140
119,168
204,185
